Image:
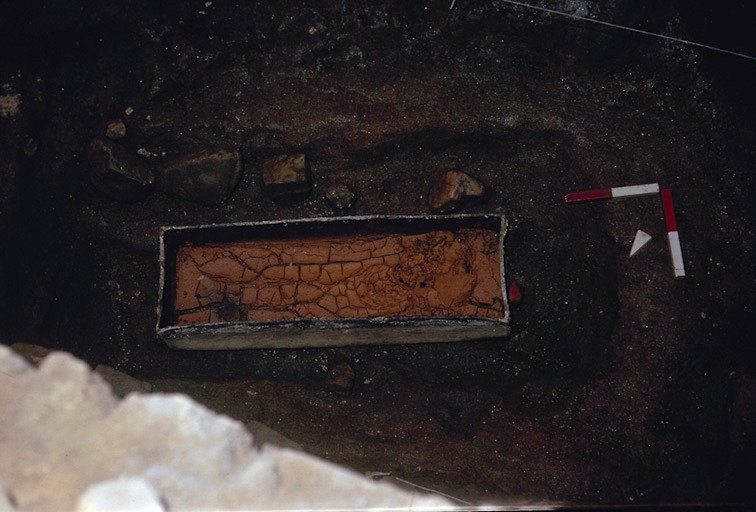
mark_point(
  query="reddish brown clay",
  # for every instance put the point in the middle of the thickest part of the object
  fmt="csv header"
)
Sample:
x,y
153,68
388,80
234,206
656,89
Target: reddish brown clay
x,y
432,274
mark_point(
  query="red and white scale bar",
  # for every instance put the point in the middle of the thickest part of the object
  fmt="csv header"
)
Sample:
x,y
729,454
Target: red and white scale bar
x,y
674,238
675,250
612,193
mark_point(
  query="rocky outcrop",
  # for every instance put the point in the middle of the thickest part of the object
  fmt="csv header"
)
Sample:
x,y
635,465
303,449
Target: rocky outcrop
x,y
68,443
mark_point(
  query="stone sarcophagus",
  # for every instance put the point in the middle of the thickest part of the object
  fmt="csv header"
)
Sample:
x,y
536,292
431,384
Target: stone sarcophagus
x,y
333,281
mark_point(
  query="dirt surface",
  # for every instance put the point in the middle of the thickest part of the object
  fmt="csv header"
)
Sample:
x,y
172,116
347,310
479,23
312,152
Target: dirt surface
x,y
619,384
439,273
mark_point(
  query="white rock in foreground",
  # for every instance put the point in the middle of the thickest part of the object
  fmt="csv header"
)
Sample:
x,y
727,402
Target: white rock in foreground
x,y
69,444
132,494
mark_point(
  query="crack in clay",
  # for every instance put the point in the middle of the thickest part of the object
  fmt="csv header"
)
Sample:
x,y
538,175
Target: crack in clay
x,y
434,274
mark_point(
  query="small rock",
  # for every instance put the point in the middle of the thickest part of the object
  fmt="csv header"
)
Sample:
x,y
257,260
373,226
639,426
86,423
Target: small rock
x,y
340,378
121,383
454,188
115,129
263,434
207,177
32,353
340,196
116,173
287,178
9,104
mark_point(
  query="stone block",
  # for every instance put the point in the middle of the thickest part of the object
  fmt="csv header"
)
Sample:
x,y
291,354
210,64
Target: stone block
x,y
453,189
207,176
287,178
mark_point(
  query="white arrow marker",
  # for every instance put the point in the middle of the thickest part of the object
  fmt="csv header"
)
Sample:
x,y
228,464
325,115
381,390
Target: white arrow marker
x,y
641,239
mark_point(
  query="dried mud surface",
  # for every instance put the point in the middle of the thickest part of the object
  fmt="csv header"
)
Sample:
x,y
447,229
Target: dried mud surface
x,y
618,385
440,273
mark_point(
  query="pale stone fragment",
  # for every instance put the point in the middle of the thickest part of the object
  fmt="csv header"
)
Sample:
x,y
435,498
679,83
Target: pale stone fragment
x,y
132,494
452,189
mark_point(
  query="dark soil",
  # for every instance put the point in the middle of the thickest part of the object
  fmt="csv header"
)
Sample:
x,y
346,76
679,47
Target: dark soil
x,y
619,384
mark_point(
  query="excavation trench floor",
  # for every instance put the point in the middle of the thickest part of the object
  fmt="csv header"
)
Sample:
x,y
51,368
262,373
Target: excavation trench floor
x,y
619,384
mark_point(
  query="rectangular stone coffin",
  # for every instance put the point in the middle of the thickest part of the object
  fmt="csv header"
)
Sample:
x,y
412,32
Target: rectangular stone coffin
x,y
333,281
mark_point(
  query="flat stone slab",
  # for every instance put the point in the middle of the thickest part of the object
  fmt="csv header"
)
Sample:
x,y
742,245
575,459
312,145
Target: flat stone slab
x,y
367,279
287,178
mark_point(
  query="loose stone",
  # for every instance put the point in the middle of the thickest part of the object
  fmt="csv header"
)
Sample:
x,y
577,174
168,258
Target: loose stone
x,y
453,189
208,176
287,178
340,196
69,444
340,378
115,129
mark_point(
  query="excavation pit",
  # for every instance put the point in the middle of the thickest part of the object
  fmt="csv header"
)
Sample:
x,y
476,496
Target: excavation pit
x,y
333,281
